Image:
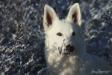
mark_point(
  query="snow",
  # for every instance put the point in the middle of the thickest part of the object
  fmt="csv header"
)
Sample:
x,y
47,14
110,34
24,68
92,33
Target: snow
x,y
22,37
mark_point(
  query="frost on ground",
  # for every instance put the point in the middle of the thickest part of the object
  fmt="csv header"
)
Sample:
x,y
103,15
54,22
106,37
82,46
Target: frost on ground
x,y
21,32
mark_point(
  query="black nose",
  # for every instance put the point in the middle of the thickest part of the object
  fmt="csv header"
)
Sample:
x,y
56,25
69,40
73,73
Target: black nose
x,y
69,48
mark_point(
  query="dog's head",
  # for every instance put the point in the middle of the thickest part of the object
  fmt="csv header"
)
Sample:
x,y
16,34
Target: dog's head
x,y
63,36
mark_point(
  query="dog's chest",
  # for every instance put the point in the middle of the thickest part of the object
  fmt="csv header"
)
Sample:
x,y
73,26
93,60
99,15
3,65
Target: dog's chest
x,y
63,65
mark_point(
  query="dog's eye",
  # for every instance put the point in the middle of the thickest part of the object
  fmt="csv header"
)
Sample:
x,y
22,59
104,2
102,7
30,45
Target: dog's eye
x,y
73,33
59,34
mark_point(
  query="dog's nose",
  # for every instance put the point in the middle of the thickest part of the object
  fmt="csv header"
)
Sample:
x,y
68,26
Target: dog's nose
x,y
69,48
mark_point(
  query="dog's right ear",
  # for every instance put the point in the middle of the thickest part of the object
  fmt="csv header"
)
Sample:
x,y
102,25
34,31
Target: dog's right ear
x,y
74,14
49,16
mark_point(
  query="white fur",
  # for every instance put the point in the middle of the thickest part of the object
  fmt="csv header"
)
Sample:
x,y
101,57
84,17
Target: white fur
x,y
78,62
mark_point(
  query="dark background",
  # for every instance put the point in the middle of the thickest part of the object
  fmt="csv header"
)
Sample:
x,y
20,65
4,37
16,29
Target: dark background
x,y
22,37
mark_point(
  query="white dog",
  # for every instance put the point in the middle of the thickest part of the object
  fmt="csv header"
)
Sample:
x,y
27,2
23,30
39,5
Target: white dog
x,y
65,48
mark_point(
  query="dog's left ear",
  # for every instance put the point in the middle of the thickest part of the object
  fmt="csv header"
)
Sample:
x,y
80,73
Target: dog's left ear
x,y
74,14
49,16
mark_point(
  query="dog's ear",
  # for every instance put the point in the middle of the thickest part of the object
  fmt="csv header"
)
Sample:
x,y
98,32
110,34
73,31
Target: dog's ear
x,y
49,16
74,14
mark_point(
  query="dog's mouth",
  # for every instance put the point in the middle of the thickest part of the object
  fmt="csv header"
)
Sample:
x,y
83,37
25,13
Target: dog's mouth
x,y
67,51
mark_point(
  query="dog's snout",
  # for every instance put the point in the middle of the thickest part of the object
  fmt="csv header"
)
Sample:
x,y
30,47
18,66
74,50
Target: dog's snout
x,y
69,48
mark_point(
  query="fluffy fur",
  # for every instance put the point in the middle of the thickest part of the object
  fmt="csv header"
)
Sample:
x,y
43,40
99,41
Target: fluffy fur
x,y
64,34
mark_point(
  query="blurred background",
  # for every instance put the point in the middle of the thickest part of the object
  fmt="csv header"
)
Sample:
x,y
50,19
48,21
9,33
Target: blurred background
x,y
22,37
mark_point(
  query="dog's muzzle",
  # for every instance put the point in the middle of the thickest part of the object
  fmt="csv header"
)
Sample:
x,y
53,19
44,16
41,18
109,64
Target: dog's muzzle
x,y
67,50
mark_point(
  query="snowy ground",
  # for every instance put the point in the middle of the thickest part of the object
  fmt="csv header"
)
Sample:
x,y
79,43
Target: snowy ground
x,y
21,32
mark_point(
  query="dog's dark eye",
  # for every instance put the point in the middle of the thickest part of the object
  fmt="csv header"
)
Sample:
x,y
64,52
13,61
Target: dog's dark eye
x,y
73,33
59,34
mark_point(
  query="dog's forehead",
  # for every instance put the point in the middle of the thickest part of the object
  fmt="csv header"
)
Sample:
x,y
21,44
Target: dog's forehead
x,y
63,25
